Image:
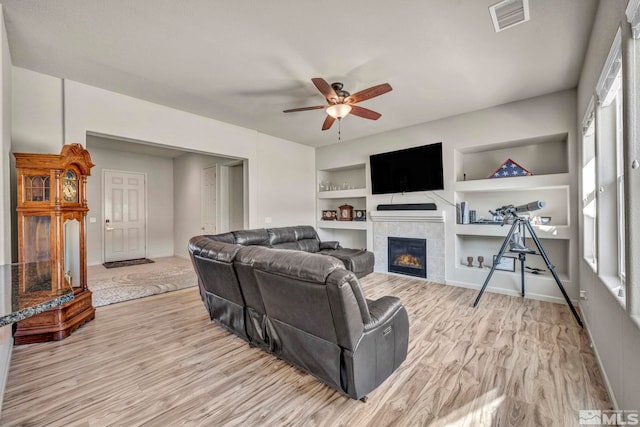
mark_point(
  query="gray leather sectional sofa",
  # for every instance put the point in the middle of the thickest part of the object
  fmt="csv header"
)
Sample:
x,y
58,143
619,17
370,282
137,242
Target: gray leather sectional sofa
x,y
302,306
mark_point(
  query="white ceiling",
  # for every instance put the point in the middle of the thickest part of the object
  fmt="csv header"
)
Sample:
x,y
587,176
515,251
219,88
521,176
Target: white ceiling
x,y
243,62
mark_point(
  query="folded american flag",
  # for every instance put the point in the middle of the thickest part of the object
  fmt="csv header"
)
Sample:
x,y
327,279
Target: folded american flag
x,y
509,169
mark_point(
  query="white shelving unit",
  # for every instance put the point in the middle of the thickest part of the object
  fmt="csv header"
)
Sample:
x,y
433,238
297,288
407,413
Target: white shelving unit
x,y
547,158
343,225
347,185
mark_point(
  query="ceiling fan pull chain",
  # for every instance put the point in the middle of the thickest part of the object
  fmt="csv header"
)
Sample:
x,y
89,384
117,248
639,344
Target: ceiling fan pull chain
x,y
339,129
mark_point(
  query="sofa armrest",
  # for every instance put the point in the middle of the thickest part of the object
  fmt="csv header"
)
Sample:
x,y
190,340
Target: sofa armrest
x,y
330,245
381,310
381,350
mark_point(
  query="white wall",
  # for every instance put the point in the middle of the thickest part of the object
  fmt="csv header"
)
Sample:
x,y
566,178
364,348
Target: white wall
x,y
615,336
536,117
6,342
37,112
275,165
280,173
159,182
187,199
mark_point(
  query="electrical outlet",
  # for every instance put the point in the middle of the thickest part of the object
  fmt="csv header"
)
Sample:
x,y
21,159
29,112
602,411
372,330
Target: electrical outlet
x,y
583,295
267,220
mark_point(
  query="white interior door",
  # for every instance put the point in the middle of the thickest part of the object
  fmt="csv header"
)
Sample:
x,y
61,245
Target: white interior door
x,y
124,215
209,200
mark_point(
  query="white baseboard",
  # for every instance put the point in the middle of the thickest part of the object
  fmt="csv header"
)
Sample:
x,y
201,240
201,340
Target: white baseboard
x,y
511,292
607,383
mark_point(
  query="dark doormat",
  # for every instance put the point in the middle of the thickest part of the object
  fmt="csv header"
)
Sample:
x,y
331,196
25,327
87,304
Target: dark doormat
x,y
125,263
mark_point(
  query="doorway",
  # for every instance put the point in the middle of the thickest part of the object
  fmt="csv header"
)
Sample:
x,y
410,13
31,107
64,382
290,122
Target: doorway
x,y
124,215
209,199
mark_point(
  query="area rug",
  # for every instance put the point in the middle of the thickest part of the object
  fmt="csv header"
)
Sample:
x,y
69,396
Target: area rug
x,y
126,263
117,285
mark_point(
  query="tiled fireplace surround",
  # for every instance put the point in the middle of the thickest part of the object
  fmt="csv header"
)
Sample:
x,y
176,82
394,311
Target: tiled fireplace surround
x,y
411,224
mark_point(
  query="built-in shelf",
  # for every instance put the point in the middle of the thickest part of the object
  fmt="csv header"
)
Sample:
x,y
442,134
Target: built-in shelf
x,y
496,230
547,158
543,155
550,181
483,272
343,194
343,225
352,178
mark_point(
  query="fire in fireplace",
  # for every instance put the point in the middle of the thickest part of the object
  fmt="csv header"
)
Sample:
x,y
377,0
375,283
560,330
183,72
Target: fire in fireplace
x,y
407,256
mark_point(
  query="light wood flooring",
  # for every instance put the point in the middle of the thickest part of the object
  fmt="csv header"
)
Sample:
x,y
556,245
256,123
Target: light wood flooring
x,y
158,361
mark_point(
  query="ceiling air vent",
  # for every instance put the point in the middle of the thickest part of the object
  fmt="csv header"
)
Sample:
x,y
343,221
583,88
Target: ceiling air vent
x,y
508,13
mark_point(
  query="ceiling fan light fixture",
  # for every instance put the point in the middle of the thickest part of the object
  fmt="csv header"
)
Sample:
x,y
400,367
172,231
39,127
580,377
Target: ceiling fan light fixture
x,y
338,111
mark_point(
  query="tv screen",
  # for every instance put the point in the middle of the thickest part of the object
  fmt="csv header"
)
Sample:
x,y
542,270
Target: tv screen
x,y
412,169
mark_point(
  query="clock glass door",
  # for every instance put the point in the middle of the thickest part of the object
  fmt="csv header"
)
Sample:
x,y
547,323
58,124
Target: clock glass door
x,y
37,252
72,252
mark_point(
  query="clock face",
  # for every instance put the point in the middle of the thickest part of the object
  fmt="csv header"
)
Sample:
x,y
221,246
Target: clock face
x,y
70,191
70,187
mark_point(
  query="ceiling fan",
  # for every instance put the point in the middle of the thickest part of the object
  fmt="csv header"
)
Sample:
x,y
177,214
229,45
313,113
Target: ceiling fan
x,y
341,102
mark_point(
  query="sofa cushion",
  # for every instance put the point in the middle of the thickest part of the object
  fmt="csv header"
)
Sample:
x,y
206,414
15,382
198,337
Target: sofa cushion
x,y
359,261
305,232
224,237
307,237
258,237
301,265
205,247
281,235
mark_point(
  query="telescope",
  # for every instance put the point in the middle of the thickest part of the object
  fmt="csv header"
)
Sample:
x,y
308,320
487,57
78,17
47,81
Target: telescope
x,y
516,241
527,207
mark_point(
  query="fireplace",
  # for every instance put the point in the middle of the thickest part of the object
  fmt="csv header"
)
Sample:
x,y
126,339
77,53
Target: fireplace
x,y
407,256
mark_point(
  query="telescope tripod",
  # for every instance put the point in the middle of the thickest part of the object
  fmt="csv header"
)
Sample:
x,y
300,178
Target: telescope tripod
x,y
520,225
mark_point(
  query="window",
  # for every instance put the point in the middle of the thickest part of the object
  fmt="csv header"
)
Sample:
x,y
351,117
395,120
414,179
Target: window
x,y
612,148
609,173
589,200
620,181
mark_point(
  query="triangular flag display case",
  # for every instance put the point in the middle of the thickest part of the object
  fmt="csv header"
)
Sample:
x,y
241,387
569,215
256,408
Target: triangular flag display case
x,y
508,169
51,210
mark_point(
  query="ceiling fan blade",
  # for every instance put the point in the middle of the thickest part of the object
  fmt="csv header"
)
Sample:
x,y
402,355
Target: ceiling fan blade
x,y
365,113
328,122
325,89
317,107
369,93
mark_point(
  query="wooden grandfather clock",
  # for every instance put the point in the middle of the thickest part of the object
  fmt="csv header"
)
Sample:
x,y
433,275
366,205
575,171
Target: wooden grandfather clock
x,y
51,210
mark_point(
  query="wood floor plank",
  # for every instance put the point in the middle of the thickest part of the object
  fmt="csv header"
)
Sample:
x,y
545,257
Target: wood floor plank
x,y
159,361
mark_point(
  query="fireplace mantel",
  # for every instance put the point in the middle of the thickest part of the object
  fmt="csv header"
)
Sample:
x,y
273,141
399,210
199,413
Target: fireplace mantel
x,y
412,216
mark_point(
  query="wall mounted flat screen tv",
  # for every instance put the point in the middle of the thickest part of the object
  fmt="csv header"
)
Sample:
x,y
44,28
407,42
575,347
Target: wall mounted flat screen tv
x,y
412,169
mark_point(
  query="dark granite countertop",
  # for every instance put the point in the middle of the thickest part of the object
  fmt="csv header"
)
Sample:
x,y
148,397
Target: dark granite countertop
x,y
26,290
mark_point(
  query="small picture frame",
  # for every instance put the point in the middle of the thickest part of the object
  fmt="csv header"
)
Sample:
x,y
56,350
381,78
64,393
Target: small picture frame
x,y
507,263
545,220
359,215
329,215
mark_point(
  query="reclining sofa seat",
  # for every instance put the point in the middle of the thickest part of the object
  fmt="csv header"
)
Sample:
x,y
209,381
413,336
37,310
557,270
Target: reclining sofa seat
x,y
301,238
305,308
